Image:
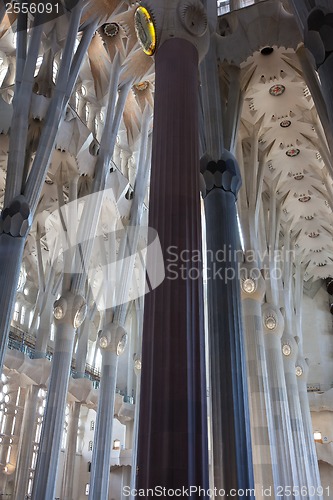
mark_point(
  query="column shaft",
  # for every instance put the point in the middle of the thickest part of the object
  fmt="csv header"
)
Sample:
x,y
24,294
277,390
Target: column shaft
x,y
26,443
53,423
172,448
101,459
230,412
69,469
263,444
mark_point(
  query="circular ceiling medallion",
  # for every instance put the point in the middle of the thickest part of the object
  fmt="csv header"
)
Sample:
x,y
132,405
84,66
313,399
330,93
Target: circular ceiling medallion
x,y
194,19
313,235
277,90
285,123
292,152
309,217
304,198
286,349
141,86
299,371
298,177
111,29
145,30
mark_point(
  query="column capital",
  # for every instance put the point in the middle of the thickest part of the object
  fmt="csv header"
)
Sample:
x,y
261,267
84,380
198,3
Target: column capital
x,y
186,19
318,34
16,219
223,174
113,338
70,308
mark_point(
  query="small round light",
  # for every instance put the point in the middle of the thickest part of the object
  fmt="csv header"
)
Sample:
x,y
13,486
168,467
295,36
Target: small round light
x,y
299,370
138,364
286,349
103,342
58,312
7,399
121,345
80,316
248,285
270,322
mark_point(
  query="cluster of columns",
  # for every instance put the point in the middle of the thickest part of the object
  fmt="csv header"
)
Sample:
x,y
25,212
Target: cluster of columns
x,y
283,446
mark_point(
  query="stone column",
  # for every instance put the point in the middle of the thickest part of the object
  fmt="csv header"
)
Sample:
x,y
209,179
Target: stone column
x,y
263,444
302,372
231,420
318,39
69,469
290,351
15,222
273,324
69,312
26,442
172,447
112,340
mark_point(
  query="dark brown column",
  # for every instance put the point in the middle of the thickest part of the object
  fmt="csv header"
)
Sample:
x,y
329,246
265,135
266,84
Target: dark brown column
x,y
172,448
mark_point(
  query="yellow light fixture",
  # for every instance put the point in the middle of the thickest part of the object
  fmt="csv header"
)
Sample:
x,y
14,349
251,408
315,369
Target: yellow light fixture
x,y
145,30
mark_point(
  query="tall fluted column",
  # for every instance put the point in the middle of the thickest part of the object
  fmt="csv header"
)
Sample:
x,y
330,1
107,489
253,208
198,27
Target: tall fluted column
x,y
172,448
69,312
302,371
26,443
273,324
69,469
231,420
290,350
112,342
263,443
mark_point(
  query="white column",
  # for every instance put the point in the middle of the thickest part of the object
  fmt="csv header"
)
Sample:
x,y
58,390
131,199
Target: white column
x,y
290,351
302,371
26,442
273,323
263,445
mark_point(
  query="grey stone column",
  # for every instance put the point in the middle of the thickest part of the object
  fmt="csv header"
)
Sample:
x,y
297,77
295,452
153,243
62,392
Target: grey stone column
x,y
15,222
112,340
69,469
273,324
26,443
318,39
290,351
231,420
69,312
263,444
302,371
